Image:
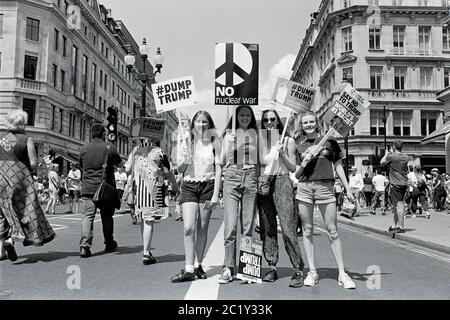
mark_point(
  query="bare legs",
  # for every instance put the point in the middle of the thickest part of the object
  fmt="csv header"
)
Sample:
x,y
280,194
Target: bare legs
x,y
147,235
328,212
196,224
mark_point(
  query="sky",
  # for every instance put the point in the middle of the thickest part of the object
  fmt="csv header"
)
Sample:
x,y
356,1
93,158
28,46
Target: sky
x,y
187,31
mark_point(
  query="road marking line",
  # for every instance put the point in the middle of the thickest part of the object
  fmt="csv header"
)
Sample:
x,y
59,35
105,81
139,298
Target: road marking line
x,y
56,227
78,219
208,289
397,244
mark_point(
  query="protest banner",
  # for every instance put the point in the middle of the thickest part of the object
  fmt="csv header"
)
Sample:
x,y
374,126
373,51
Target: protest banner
x,y
293,95
237,71
174,94
147,128
250,260
346,111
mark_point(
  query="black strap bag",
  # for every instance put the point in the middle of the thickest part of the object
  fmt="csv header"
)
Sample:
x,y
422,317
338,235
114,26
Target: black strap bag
x,y
106,195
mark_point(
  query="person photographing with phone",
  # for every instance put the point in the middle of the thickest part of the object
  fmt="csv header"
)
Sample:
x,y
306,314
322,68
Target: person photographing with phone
x,y
199,161
398,177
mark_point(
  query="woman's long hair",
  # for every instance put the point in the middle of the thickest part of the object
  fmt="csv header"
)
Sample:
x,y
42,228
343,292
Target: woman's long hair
x,y
252,124
211,131
280,125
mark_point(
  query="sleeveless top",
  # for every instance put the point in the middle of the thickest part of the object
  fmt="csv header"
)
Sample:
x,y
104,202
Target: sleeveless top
x,y
273,167
203,164
18,143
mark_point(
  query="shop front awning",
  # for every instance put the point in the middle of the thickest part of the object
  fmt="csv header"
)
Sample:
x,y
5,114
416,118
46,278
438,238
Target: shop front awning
x,y
437,135
66,155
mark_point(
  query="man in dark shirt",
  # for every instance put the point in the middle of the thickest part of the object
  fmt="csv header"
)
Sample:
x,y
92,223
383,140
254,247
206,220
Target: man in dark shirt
x,y
92,157
398,164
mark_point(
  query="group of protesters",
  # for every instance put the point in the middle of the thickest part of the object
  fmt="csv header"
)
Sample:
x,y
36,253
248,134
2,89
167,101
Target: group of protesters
x,y
267,175
255,163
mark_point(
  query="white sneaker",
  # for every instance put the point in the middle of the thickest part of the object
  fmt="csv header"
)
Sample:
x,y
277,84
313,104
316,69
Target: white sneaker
x,y
311,279
346,282
414,216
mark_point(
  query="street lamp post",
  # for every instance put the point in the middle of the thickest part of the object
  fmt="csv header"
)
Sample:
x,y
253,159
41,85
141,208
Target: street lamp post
x,y
144,51
385,133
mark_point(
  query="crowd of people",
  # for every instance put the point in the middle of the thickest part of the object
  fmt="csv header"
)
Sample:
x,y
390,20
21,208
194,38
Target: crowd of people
x,y
260,175
424,192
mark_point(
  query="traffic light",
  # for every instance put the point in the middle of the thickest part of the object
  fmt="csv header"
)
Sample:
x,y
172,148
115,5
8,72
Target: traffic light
x,y
112,124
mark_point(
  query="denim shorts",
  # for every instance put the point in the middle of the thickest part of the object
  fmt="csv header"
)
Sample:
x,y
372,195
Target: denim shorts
x,y
196,191
319,191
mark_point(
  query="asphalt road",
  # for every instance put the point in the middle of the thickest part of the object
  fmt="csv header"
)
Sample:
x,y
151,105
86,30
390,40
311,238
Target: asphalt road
x,y
382,268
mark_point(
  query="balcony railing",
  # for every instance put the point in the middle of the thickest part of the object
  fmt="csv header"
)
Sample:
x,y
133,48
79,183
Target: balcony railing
x,y
409,95
401,51
30,85
85,108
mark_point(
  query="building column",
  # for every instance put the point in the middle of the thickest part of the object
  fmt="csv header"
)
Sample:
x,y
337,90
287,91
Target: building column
x,y
447,152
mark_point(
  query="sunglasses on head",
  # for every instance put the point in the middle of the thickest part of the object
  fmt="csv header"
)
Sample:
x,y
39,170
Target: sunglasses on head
x,y
271,119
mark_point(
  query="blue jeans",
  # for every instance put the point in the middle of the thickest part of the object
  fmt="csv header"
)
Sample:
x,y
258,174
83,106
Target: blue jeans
x,y
88,210
239,188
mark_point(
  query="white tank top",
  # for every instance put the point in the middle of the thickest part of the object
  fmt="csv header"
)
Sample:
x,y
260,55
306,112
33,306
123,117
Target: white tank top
x,y
203,163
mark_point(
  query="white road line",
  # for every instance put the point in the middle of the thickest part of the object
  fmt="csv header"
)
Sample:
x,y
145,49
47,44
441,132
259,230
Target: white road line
x,y
208,289
78,219
56,227
397,244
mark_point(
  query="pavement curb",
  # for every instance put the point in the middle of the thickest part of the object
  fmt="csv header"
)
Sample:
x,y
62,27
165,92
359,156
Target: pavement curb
x,y
399,236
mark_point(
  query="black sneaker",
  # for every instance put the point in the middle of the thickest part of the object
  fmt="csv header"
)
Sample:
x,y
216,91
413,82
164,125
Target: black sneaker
x,y
85,252
183,276
271,276
111,247
399,230
296,280
200,273
148,259
10,251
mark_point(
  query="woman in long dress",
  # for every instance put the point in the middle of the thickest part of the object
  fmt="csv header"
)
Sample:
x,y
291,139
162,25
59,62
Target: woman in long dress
x,y
21,216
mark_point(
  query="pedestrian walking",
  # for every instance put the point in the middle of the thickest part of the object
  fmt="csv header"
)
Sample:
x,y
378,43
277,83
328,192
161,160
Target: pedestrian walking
x,y
62,190
447,190
21,216
379,183
338,193
199,161
398,171
368,190
93,158
149,166
316,174
239,157
73,187
53,188
356,184
438,190
275,197
121,181
418,192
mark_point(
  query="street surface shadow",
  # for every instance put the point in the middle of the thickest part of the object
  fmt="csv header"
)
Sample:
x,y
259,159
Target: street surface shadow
x,y
129,249
324,273
170,258
45,257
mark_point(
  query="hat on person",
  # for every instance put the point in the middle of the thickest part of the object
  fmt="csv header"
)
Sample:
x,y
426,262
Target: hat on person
x,y
435,170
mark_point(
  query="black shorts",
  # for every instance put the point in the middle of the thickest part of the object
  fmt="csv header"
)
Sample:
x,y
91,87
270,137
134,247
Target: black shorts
x,y
196,191
398,193
74,194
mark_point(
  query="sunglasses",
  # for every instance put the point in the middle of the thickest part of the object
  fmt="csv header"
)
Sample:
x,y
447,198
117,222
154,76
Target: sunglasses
x,y
265,120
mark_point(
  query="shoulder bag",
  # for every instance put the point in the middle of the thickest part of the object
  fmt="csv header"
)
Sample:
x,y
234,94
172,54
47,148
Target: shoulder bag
x,y
106,195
